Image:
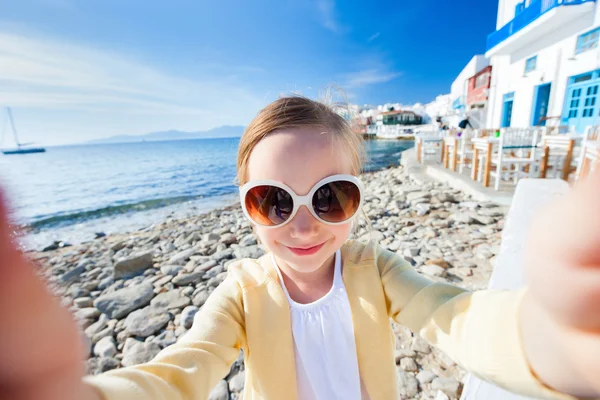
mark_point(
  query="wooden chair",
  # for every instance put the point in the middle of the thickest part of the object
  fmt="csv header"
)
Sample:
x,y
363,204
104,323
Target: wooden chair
x,y
557,156
516,151
589,155
429,144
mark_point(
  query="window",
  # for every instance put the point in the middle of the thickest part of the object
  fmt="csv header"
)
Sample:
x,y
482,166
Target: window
x,y
587,41
531,64
582,78
481,80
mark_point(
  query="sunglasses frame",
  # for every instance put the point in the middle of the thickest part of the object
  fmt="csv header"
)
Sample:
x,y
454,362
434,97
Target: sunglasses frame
x,y
300,201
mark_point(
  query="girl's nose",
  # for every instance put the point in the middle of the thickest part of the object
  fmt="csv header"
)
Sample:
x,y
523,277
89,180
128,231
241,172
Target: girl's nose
x,y
304,225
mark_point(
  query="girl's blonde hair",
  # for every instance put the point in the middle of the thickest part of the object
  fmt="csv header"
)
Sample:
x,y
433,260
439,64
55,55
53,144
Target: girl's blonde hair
x,y
299,112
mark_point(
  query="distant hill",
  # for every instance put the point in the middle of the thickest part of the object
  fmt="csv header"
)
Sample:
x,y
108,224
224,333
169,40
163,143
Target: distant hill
x,y
219,132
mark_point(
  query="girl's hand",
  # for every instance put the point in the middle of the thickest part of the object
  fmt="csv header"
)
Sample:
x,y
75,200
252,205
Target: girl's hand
x,y
560,315
563,259
41,351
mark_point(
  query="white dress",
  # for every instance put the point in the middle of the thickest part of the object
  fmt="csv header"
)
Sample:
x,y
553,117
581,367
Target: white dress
x,y
324,346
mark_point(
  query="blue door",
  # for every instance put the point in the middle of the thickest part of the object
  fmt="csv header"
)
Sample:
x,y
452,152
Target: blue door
x,y
540,104
507,107
582,101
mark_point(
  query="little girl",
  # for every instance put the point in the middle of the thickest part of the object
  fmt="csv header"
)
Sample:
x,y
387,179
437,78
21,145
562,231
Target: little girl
x,y
312,315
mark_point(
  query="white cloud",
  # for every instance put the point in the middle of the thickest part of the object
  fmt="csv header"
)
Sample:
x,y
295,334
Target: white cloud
x,y
373,37
42,75
368,77
326,9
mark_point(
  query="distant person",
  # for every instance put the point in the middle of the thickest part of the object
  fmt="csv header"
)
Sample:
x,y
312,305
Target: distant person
x,y
313,315
464,123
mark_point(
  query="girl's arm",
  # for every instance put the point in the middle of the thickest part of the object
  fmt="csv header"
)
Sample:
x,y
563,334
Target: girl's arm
x,y
191,367
42,351
479,330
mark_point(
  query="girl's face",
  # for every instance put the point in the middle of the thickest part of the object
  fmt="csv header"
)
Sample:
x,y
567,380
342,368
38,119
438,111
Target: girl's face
x,y
299,158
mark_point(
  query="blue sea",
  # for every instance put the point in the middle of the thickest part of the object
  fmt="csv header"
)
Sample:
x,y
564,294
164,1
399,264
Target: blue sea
x,y
71,192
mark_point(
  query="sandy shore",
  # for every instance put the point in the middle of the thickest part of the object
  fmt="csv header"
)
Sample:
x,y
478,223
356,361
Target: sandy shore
x,y
134,294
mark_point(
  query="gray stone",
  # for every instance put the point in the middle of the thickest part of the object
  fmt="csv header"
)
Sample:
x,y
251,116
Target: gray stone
x,y
420,345
170,300
462,218
117,246
136,352
182,257
433,270
417,195
200,298
399,354
220,392
171,269
248,240
187,316
236,384
408,386
441,396
228,238
97,326
121,302
484,220
205,266
411,252
211,236
423,208
449,386
425,376
99,365
408,364
87,313
132,266
162,281
83,302
106,347
222,255
253,252
186,279
146,322
106,282
72,275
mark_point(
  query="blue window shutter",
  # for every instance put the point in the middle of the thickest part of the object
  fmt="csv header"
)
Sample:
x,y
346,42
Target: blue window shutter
x,y
519,8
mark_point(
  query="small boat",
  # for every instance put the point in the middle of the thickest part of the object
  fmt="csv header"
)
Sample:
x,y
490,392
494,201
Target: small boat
x,y
22,148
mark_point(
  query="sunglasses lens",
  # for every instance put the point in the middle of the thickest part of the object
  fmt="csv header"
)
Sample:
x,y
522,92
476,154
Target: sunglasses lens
x,y
336,201
269,205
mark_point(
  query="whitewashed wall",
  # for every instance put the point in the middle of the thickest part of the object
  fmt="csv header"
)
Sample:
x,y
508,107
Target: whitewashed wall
x,y
556,62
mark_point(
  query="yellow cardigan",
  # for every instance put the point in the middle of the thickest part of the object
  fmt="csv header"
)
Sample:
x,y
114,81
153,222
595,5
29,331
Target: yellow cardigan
x,y
250,311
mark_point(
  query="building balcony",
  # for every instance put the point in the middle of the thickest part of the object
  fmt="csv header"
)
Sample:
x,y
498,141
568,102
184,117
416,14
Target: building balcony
x,y
539,19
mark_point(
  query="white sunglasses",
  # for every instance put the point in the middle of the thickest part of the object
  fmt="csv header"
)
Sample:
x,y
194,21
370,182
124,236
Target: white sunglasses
x,y
333,200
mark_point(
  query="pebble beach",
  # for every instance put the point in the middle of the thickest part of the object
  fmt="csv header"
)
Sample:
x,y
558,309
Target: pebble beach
x,y
134,294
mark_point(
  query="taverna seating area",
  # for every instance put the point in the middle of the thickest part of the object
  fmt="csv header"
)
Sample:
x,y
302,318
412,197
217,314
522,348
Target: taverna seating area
x,y
499,158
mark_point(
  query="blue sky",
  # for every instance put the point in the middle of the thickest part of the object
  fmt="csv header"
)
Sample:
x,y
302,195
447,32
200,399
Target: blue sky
x,y
75,70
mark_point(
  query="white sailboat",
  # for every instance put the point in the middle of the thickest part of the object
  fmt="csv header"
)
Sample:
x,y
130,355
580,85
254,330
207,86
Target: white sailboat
x,y
21,147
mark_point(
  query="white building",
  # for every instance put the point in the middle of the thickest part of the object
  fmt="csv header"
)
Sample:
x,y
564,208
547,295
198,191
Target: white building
x,y
459,89
546,65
